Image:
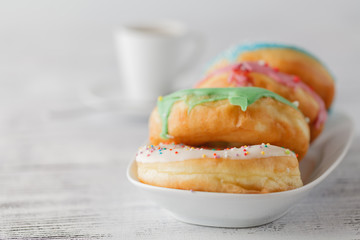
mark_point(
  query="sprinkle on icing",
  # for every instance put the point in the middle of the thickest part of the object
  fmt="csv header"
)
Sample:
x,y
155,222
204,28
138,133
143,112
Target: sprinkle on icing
x,y
181,152
242,97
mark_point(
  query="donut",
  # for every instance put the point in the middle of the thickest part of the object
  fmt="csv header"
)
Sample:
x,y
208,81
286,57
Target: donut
x,y
259,74
229,117
286,58
259,168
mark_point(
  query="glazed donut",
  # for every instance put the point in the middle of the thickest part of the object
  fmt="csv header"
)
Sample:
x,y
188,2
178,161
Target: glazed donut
x,y
259,74
287,59
229,117
250,169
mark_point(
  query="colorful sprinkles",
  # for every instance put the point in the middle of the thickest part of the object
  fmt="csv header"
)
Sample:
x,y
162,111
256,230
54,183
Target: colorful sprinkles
x,y
181,151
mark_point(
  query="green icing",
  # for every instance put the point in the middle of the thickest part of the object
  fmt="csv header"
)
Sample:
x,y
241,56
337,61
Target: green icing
x,y
242,97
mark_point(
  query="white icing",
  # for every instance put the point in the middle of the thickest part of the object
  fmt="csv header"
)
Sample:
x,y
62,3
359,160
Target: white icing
x,y
179,152
296,103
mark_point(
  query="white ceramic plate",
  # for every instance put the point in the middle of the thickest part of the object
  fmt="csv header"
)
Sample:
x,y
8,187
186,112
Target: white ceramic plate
x,y
247,210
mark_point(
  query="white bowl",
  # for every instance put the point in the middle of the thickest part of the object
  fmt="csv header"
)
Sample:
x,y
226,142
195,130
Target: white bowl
x,y
247,210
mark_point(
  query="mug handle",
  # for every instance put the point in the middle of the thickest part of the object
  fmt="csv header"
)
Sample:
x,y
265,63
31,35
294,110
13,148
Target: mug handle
x,y
193,46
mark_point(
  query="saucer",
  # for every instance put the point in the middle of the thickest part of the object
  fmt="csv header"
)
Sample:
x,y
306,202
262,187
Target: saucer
x,y
113,97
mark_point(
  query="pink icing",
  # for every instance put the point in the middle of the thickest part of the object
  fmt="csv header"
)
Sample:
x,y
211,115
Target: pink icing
x,y
238,75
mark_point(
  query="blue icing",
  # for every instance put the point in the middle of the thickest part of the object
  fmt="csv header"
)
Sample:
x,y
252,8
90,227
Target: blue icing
x,y
232,53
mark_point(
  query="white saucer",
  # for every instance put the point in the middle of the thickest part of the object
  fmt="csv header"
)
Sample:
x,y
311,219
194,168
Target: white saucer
x,y
247,210
113,97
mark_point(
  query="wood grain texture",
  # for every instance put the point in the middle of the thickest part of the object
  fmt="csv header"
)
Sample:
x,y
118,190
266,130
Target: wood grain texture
x,y
67,181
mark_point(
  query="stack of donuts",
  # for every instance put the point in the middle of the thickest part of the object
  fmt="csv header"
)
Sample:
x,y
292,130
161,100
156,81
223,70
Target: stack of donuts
x,y
244,127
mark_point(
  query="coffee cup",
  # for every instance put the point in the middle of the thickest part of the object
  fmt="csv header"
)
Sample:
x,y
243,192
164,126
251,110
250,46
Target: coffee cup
x,y
152,56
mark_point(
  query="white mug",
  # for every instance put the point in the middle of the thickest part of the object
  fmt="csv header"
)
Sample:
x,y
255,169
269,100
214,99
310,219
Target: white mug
x,y
152,55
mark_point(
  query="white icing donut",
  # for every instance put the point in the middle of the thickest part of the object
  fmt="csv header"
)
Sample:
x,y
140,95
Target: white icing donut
x,y
249,169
